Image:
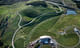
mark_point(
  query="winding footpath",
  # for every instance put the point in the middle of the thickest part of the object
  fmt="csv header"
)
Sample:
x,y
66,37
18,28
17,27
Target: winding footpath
x,y
70,46
32,31
55,5
19,26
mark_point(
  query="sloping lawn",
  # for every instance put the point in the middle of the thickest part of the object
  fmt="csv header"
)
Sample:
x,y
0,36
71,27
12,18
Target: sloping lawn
x,y
43,28
52,27
69,39
19,43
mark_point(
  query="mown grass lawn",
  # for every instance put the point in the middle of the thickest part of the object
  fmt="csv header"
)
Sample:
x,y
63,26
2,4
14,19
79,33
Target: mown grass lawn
x,y
10,11
69,39
78,46
52,28
46,46
42,46
19,43
26,14
43,28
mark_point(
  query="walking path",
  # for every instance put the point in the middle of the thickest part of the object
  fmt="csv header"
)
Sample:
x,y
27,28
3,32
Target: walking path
x,y
19,26
52,42
74,45
32,31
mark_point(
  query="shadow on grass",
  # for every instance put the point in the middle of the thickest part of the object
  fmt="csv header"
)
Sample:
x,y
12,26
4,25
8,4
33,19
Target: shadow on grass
x,y
44,17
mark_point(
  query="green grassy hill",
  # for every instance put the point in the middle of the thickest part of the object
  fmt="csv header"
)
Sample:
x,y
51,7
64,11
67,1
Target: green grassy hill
x,y
49,23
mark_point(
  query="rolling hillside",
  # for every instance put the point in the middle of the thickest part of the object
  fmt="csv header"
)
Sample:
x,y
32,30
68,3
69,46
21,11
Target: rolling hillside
x,y
32,19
